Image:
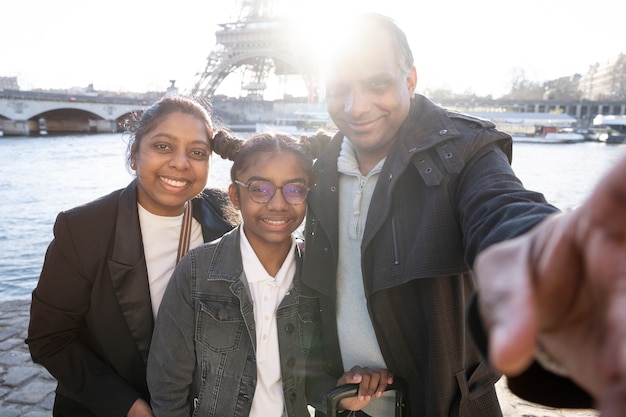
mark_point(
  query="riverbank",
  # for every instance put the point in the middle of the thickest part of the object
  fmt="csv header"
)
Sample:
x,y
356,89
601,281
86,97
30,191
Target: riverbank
x,y
27,389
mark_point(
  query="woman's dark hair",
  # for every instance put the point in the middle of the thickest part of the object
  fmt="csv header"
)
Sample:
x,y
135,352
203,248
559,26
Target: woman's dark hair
x,y
244,152
142,123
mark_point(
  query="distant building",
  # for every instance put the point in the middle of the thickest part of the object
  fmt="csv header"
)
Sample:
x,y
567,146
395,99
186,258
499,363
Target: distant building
x,y
9,83
606,81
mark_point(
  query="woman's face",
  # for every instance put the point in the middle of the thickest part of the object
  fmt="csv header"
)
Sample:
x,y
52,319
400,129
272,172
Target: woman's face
x,y
271,224
172,164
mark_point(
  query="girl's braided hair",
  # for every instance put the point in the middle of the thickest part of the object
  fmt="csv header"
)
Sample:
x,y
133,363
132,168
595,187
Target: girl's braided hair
x,y
242,152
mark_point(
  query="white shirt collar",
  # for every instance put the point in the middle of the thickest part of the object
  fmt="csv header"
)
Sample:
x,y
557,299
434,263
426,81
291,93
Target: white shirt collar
x,y
254,270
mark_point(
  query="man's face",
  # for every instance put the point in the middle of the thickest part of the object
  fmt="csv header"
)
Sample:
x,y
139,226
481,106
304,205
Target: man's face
x,y
368,93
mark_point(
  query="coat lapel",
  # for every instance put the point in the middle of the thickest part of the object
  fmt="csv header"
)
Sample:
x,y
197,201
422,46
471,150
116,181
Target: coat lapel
x,y
129,274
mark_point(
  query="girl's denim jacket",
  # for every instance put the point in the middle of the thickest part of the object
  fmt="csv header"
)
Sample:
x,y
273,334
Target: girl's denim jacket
x,y
202,359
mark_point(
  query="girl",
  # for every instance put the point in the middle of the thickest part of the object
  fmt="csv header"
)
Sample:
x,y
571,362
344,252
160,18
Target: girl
x,y
236,324
106,269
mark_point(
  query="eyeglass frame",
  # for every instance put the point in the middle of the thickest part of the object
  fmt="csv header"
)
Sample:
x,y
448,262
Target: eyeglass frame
x,y
276,188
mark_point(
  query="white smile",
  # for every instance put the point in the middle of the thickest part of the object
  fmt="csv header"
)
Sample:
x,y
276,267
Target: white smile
x,y
362,125
172,182
275,222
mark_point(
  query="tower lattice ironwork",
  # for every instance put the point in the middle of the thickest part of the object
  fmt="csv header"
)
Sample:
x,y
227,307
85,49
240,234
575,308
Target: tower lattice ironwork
x,y
259,42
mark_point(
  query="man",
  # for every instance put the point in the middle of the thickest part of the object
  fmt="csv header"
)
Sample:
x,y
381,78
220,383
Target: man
x,y
405,197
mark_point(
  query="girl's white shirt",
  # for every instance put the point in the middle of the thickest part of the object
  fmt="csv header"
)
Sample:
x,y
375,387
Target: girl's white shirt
x,y
267,293
160,236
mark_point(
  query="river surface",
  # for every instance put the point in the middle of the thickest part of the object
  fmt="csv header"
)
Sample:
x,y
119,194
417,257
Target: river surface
x,y
41,176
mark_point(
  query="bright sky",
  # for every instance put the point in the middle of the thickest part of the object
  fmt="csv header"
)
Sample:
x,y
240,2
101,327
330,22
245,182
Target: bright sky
x,y
462,45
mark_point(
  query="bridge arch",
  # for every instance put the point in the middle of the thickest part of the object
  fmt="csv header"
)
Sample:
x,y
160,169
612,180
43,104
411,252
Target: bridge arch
x,y
26,112
68,119
102,110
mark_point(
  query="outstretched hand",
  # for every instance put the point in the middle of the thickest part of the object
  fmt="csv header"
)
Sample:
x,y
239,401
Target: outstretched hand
x,y
372,384
563,286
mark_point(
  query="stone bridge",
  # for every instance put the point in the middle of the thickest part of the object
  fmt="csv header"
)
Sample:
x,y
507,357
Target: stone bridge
x,y
24,113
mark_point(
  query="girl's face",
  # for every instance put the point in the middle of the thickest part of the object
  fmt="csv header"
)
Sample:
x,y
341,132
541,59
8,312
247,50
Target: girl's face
x,y
270,225
172,164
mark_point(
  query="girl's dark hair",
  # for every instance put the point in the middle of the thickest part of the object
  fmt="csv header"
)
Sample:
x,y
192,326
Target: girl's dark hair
x,y
142,123
243,152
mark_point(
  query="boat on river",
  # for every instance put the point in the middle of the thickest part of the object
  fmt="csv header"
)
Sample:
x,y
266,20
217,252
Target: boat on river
x,y
535,127
609,129
549,134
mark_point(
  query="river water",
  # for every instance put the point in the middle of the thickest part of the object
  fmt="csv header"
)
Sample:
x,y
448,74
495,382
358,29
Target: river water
x,y
40,176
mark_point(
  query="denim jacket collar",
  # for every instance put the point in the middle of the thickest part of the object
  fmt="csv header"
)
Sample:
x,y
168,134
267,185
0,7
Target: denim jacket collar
x,y
226,265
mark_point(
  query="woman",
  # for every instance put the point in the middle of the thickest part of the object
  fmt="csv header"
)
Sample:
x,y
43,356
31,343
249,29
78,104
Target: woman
x,y
236,325
104,274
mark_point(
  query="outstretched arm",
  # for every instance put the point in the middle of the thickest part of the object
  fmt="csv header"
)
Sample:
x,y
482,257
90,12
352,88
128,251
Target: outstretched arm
x,y
561,288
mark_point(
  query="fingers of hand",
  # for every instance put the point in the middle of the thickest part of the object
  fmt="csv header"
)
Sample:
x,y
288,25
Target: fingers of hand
x,y
507,304
373,382
354,403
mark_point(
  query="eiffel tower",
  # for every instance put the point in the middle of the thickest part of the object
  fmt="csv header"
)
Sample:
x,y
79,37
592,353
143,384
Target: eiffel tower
x,y
260,42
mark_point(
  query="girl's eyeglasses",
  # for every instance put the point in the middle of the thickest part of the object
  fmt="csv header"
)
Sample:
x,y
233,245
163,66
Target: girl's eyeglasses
x,y
263,191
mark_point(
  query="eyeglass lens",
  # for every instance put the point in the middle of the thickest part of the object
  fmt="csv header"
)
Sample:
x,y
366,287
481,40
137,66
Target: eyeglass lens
x,y
262,192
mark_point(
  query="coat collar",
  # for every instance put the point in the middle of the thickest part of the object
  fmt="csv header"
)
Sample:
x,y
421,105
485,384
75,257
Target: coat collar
x,y
226,264
128,270
427,126
214,213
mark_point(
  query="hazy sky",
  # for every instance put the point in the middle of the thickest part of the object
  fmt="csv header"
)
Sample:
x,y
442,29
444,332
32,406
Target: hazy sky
x,y
463,45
